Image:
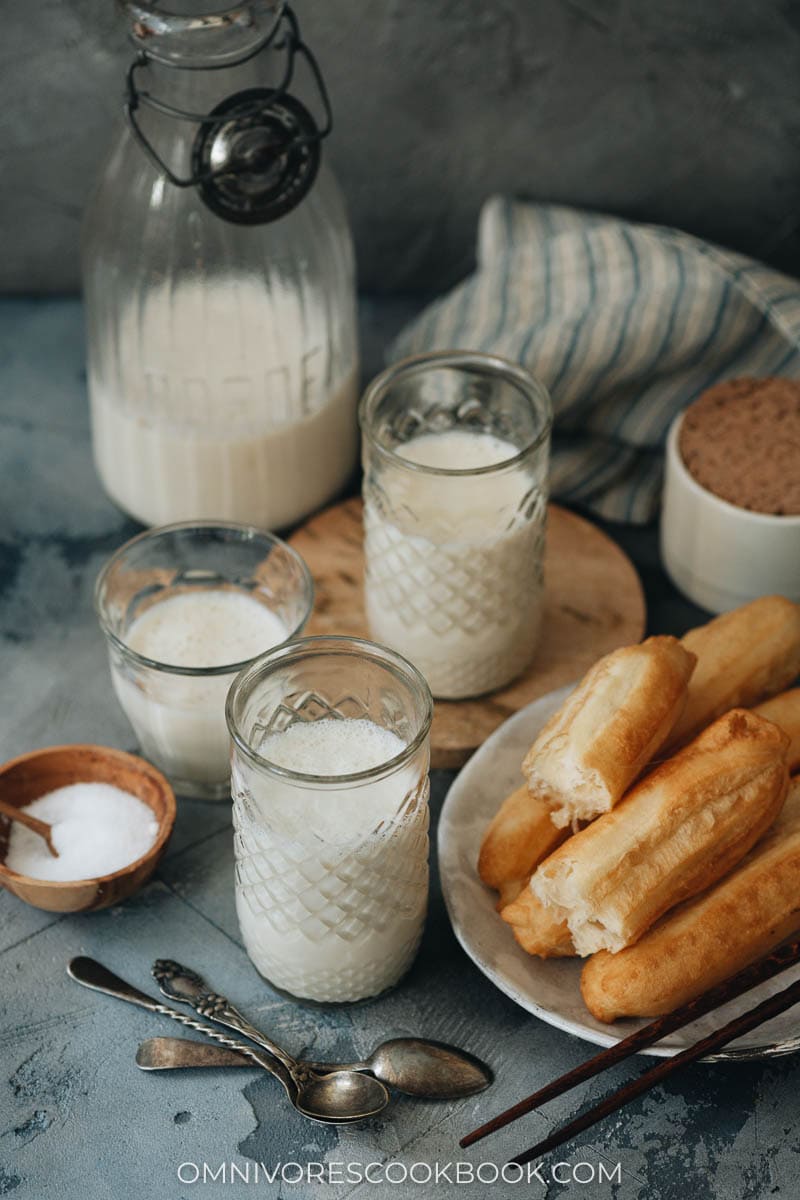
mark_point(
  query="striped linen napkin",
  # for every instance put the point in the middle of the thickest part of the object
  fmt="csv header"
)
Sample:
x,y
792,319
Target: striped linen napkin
x,y
624,323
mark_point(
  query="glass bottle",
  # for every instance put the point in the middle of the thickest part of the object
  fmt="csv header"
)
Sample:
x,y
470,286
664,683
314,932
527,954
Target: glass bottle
x,y
219,279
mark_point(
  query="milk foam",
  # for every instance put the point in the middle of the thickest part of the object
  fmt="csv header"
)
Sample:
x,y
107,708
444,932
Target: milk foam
x,y
457,450
206,629
331,747
180,719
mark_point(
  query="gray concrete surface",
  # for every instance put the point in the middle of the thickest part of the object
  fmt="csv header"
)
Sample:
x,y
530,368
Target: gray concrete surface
x,y
77,1120
671,110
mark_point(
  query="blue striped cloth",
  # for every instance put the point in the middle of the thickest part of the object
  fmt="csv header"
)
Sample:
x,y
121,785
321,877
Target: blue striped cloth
x,y
624,323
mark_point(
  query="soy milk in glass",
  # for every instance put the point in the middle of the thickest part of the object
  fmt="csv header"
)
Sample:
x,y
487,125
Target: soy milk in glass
x,y
330,791
455,450
183,608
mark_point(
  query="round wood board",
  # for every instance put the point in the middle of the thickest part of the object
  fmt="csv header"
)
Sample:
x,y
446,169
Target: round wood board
x,y
593,604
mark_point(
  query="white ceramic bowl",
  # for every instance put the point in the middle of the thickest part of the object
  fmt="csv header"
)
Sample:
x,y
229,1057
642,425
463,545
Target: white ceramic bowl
x,y
721,556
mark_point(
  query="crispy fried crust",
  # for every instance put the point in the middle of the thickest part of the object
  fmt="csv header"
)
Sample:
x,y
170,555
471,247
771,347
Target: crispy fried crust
x,y
608,729
680,829
784,710
743,657
519,836
744,916
538,930
509,891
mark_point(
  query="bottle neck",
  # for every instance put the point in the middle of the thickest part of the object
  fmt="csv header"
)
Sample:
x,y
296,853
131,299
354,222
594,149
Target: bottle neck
x,y
258,155
195,92
198,33
201,90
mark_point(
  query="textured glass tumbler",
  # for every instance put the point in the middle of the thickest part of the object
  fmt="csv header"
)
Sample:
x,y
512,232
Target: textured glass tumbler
x,y
331,863
454,551
178,713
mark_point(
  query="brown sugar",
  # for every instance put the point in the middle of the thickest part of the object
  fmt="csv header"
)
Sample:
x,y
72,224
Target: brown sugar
x,y
741,441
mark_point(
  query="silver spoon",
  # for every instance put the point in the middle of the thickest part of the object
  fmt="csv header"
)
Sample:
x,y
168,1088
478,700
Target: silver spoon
x,y
328,1095
415,1066
314,1098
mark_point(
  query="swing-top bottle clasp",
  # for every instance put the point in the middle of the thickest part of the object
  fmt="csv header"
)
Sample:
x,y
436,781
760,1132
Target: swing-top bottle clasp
x,y
257,153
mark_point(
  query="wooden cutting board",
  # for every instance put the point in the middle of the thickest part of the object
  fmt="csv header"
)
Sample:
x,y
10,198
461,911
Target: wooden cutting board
x,y
593,603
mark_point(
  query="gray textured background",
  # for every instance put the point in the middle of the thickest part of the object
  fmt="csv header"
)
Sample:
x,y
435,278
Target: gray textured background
x,y
681,111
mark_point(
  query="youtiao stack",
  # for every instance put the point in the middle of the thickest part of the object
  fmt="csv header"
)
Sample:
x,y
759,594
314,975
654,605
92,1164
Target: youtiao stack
x,y
653,832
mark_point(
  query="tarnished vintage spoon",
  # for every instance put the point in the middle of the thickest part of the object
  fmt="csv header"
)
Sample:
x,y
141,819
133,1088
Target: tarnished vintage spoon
x,y
326,1095
347,1102
415,1066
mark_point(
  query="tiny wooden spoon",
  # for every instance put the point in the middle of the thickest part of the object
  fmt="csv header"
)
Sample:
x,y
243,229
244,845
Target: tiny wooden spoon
x,y
41,827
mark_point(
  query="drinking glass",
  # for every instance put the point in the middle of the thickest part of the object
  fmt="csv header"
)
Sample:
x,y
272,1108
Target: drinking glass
x,y
178,712
331,864
455,553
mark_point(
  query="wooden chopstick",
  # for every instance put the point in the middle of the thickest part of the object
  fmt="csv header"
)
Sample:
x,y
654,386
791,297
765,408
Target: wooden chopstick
x,y
765,968
768,1008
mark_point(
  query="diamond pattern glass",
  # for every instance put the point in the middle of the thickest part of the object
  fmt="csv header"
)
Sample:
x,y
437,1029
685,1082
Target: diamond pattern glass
x,y
454,543
331,869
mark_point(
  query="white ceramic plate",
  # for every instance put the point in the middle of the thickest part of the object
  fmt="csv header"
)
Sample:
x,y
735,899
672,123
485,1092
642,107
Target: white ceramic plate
x,y
550,988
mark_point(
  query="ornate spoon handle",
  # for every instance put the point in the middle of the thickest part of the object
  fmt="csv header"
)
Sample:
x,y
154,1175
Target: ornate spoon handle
x,y
182,984
94,975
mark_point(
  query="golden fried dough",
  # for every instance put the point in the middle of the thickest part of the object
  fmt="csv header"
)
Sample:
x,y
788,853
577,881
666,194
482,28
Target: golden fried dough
x,y
784,710
736,922
608,729
743,657
519,836
510,890
536,928
679,830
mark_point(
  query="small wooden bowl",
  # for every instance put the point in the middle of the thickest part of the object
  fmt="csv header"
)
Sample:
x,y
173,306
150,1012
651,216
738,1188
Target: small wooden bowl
x,y
32,775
